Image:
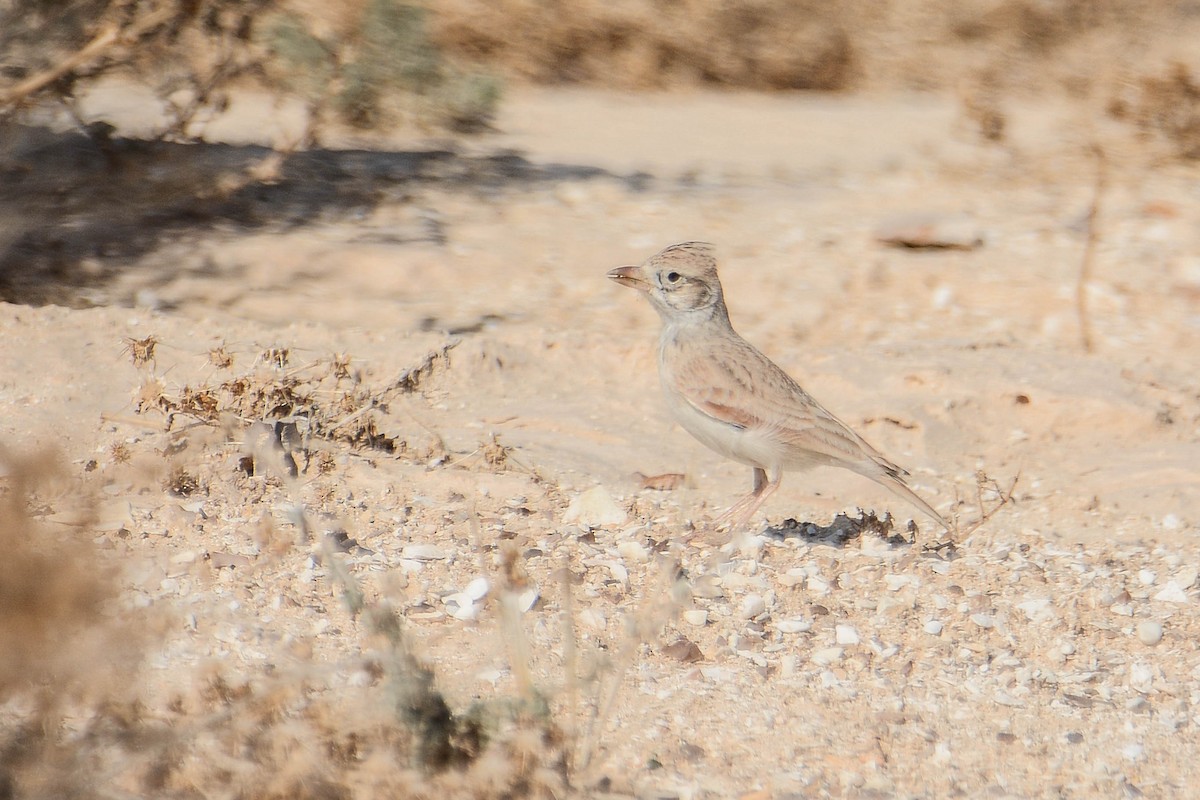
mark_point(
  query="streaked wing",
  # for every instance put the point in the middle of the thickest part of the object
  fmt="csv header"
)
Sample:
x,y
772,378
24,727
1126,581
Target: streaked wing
x,y
736,384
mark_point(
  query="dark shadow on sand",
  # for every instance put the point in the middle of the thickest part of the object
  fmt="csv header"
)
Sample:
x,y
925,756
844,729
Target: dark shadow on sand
x,y
75,209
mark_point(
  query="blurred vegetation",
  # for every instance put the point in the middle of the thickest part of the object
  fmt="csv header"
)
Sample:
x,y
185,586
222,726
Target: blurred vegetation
x,y
375,68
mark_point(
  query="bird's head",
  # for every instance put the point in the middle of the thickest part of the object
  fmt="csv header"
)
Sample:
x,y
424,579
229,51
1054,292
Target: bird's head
x,y
680,281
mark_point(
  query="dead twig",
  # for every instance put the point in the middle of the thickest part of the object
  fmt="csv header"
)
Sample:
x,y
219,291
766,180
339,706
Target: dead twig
x,y
110,35
1004,497
1089,249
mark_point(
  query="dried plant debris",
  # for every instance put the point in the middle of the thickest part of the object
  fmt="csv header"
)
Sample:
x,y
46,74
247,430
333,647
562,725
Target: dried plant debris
x,y
328,400
843,529
375,67
76,725
141,351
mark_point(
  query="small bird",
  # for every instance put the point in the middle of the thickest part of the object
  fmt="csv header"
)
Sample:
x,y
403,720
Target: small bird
x,y
733,398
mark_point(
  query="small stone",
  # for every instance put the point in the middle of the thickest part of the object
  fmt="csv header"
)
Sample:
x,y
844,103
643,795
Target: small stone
x,y
818,587
1172,522
1149,633
423,552
787,665
696,616
593,618
684,650
1171,593
633,551
707,587
1141,677
595,508
461,607
618,571
826,655
795,625
1147,577
477,589
1187,577
984,621
752,606
1038,609
527,599
845,635
933,627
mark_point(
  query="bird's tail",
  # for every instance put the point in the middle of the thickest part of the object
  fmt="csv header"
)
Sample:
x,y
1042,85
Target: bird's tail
x,y
892,480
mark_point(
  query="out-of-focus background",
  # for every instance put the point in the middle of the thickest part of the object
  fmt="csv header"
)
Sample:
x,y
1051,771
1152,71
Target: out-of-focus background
x,y
332,466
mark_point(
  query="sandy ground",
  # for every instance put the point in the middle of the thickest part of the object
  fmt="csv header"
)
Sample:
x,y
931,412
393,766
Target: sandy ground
x,y
1052,651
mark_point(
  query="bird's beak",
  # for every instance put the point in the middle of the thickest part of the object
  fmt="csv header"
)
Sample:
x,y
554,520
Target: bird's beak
x,y
631,277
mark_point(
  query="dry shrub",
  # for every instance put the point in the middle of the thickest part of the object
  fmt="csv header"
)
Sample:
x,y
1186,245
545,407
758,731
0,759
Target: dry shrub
x,y
375,66
51,588
782,44
771,44
328,399
65,662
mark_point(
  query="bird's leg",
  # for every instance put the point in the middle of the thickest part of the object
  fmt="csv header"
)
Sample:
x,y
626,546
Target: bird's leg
x,y
760,480
741,511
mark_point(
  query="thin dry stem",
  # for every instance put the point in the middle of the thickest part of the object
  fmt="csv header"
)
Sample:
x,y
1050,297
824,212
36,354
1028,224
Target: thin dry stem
x,y
1089,249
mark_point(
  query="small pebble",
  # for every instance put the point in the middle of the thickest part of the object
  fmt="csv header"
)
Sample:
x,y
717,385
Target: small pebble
x,y
797,625
593,618
1171,593
527,599
787,665
1149,632
933,627
423,552
1141,677
633,551
752,606
595,508
1187,577
826,655
846,635
897,582
696,616
477,589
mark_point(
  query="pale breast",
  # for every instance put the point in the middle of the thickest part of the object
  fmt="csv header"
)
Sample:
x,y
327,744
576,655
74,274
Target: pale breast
x,y
754,448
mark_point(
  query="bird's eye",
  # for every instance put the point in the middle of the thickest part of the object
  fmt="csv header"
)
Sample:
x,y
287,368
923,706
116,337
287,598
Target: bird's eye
x,y
673,277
